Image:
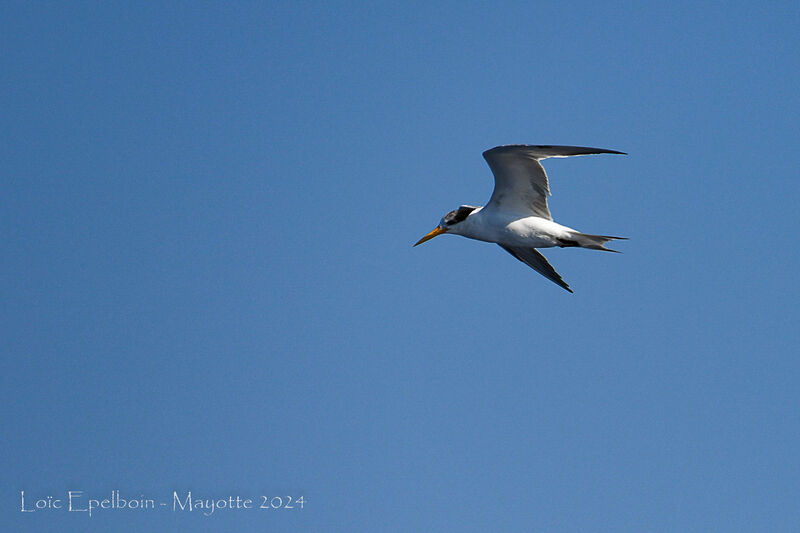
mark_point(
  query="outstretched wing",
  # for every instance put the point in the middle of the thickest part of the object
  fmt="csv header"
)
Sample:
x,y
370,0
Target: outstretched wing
x,y
520,182
535,260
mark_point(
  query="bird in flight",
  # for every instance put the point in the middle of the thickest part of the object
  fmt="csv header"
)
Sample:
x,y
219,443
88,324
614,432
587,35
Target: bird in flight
x,y
517,217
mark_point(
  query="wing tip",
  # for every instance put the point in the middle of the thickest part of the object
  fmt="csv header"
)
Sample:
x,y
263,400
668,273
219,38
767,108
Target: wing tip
x,y
553,148
539,263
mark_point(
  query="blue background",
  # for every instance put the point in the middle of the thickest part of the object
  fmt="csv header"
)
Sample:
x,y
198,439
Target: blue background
x,y
208,282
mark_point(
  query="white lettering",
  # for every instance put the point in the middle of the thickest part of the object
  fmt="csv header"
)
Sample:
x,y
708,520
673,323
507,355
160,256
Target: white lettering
x,y
75,494
22,498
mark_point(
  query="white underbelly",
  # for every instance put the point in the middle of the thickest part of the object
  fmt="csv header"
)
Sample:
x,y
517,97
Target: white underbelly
x,y
533,232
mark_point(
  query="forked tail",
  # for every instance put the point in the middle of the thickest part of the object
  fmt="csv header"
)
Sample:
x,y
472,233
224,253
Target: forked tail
x,y
595,242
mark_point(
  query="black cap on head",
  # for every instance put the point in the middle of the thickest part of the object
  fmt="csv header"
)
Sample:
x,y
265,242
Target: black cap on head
x,y
458,215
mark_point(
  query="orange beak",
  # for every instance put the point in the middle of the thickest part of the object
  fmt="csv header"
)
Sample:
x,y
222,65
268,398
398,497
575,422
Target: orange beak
x,y
431,235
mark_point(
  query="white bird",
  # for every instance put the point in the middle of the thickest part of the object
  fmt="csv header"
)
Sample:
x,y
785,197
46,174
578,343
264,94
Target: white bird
x,y
517,217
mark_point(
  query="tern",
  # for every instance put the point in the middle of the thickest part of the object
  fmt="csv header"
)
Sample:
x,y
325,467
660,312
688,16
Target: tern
x,y
517,217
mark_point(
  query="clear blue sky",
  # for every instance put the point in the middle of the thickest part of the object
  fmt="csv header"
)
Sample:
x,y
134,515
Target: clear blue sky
x,y
208,282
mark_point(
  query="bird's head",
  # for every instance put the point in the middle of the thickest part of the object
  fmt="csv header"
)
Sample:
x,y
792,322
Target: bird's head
x,y
449,222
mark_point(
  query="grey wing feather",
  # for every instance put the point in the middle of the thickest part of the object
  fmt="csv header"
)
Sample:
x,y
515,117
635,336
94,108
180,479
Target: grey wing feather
x,y
543,151
520,181
538,262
